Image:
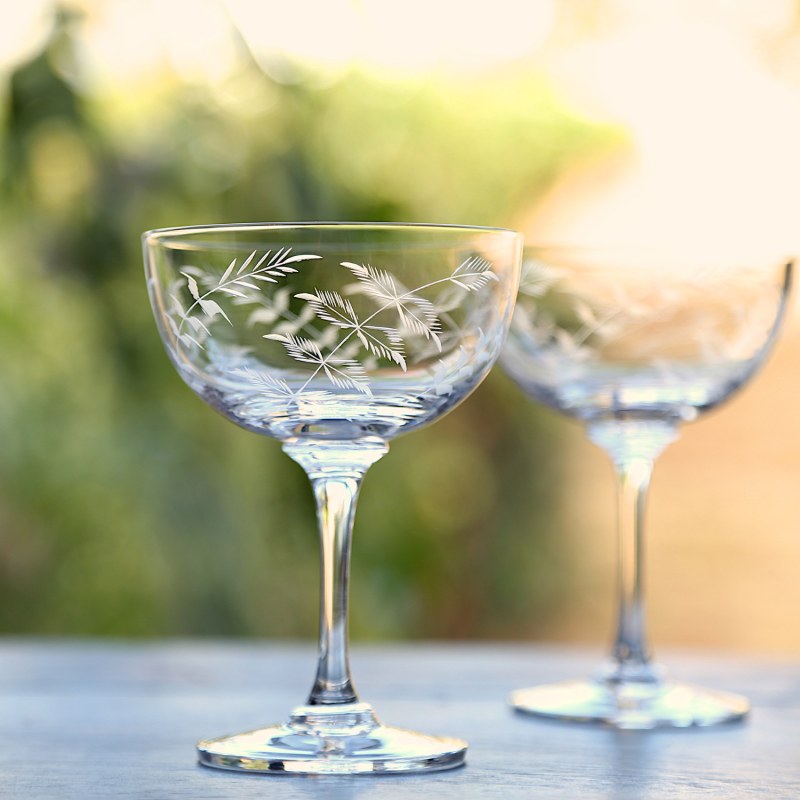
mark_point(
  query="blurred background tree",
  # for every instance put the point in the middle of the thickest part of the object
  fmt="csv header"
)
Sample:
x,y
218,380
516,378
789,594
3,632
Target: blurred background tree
x,y
126,507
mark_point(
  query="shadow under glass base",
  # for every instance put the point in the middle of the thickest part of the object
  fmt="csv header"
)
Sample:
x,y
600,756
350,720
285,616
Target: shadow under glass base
x,y
332,740
631,706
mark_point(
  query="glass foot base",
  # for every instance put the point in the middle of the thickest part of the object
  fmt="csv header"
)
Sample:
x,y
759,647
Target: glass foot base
x,y
344,740
631,706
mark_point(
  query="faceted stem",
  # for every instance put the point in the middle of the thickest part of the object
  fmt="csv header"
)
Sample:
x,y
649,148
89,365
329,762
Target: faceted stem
x,y
633,447
335,470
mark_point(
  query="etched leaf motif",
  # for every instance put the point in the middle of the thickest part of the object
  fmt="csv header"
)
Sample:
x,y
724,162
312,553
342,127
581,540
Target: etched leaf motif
x,y
380,340
416,314
229,270
338,338
441,385
473,274
487,347
177,307
332,307
271,386
537,278
375,282
391,347
421,317
212,308
192,284
345,373
240,284
275,310
198,325
299,348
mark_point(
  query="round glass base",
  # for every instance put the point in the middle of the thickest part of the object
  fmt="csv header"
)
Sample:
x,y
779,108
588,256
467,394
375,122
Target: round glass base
x,y
631,706
332,740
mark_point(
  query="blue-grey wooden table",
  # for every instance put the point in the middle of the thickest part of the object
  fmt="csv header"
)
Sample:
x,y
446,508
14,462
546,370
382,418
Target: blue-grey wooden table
x,y
90,719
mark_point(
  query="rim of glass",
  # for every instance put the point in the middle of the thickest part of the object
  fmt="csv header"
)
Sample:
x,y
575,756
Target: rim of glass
x,y
185,231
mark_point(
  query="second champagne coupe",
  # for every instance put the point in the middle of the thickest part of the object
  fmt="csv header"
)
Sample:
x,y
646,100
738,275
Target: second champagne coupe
x,y
634,343
333,338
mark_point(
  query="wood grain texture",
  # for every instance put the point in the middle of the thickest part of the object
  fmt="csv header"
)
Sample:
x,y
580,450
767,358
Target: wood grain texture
x,y
84,720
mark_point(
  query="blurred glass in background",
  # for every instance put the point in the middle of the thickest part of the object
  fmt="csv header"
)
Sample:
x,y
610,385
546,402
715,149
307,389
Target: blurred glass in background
x,y
128,508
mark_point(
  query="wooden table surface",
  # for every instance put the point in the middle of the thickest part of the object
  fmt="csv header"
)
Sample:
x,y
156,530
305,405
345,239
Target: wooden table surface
x,y
92,719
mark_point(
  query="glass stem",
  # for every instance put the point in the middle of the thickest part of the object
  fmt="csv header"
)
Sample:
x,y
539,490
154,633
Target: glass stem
x,y
335,471
631,648
336,502
633,447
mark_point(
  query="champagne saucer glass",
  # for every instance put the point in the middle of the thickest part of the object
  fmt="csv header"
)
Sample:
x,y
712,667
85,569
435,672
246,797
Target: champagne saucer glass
x,y
332,338
633,343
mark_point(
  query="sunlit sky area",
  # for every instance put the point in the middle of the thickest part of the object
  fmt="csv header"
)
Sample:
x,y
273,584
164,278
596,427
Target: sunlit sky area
x,y
126,38
709,91
713,124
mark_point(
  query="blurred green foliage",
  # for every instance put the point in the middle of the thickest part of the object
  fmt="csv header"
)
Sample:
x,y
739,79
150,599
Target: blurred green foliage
x,y
127,507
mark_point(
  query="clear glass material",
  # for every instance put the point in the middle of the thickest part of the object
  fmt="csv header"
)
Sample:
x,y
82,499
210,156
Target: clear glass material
x,y
633,344
333,338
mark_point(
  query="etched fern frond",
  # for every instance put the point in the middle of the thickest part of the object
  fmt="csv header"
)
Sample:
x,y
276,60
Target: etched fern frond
x,y
421,350
416,314
420,317
555,342
265,382
241,284
391,348
332,307
382,341
299,348
345,373
351,342
209,307
473,274
274,311
265,270
538,277
271,386
377,283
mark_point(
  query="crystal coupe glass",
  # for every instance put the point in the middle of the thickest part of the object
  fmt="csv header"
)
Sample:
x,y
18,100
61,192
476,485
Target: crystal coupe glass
x,y
332,338
634,343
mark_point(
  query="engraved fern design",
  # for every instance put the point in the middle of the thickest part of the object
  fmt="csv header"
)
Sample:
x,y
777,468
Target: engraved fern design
x,y
328,332
241,284
648,323
568,331
414,315
380,340
342,372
